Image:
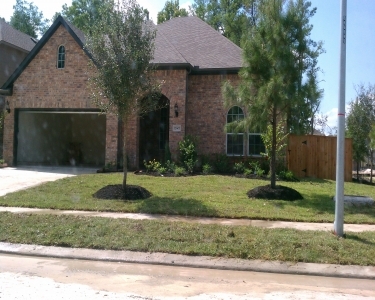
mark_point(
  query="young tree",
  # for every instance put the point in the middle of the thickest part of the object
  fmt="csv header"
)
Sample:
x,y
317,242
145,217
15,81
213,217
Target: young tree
x,y
268,88
121,77
171,10
360,118
307,97
28,19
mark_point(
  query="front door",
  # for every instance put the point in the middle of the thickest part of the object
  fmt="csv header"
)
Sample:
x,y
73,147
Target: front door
x,y
154,135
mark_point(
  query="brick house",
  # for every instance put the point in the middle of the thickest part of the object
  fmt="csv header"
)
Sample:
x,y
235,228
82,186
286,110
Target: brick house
x,y
14,46
53,121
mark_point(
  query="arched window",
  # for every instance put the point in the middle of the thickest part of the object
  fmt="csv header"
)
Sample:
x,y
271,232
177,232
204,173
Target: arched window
x,y
235,141
61,58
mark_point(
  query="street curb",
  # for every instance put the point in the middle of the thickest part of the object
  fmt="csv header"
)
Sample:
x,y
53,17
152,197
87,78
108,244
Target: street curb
x,y
328,270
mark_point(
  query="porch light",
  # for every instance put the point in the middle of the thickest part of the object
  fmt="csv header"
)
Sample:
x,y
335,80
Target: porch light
x,y
7,107
176,110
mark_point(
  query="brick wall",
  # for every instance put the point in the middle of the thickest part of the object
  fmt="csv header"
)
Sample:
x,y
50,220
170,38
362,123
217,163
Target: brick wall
x,y
206,115
42,85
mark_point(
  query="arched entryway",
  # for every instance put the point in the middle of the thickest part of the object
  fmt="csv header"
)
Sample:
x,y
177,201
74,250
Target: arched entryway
x,y
154,133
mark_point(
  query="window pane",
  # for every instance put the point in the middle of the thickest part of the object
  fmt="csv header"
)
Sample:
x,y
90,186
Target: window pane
x,y
61,57
235,144
256,146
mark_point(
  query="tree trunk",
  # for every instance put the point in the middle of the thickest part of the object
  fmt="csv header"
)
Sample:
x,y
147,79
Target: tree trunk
x,y
358,170
124,156
273,150
372,164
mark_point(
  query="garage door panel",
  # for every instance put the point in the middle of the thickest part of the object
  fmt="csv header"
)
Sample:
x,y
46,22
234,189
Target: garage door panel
x,y
49,138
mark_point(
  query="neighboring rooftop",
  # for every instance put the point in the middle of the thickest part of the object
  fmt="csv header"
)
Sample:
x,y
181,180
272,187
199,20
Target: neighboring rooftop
x,y
16,38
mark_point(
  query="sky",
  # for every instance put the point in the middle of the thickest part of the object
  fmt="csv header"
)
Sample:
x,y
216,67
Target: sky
x,y
360,50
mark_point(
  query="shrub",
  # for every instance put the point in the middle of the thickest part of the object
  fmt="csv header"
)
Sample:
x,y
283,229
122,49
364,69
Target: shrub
x,y
170,166
256,167
179,171
239,167
152,165
162,170
188,153
287,176
247,172
207,169
259,172
221,163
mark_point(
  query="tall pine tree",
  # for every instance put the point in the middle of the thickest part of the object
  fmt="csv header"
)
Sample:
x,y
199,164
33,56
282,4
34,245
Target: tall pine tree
x,y
276,59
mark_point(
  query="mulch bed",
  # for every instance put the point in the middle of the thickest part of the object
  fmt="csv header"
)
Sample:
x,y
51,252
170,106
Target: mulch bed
x,y
278,193
132,192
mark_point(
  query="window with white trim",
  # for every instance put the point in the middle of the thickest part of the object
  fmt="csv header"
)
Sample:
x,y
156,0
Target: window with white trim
x,y
61,57
235,141
255,144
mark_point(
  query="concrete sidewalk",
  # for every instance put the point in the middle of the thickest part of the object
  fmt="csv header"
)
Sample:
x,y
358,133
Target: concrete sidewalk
x,y
175,218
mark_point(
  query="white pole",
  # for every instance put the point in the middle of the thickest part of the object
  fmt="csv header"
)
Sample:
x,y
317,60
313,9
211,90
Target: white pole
x,y
339,209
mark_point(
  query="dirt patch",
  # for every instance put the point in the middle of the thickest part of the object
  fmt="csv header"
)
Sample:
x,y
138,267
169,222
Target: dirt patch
x,y
132,192
278,193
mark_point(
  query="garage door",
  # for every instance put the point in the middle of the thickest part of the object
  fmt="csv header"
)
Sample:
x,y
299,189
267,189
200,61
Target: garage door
x,y
60,138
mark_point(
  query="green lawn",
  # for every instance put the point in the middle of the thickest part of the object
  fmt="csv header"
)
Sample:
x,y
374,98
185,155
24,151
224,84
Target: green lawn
x,y
211,196
245,242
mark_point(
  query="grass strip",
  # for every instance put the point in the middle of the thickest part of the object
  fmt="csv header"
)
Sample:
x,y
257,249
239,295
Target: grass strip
x,y
205,196
244,242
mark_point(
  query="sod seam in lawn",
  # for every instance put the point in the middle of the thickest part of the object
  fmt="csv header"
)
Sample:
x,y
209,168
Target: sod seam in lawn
x,y
245,242
206,196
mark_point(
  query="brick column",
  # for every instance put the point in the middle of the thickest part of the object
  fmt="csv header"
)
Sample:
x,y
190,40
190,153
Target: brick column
x,y
174,88
111,138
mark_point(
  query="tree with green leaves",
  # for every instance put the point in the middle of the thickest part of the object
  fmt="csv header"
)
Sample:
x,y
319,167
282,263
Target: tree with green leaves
x,y
300,119
28,19
121,78
359,121
171,10
232,18
268,88
83,13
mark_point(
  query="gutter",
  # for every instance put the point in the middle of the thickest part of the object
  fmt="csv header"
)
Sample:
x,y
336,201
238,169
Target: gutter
x,y
6,92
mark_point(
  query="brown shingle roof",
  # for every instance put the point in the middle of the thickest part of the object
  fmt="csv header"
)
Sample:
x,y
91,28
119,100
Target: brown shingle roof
x,y
197,43
14,37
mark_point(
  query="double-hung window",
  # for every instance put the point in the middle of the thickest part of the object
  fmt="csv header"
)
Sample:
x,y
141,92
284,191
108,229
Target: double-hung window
x,y
255,144
235,141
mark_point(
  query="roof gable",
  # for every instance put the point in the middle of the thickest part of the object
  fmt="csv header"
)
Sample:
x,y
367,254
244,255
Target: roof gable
x,y
75,33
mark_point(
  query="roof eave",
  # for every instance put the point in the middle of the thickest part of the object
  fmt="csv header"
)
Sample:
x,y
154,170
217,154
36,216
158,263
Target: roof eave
x,y
171,66
7,92
209,71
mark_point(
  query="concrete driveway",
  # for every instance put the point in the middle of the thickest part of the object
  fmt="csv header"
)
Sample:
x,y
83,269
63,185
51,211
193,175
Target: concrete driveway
x,y
15,179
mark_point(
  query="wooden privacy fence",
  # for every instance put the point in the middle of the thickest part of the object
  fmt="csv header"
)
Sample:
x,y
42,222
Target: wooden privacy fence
x,y
315,156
